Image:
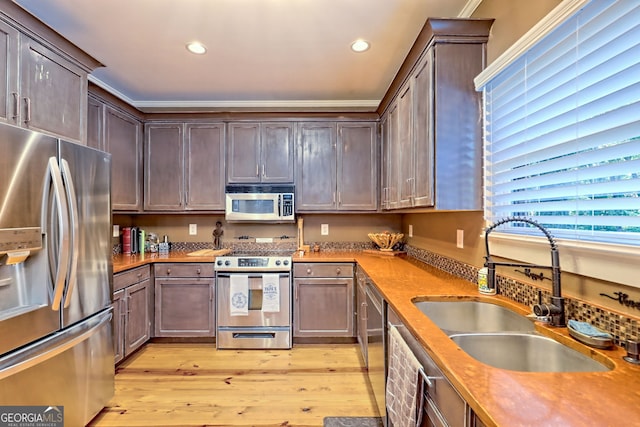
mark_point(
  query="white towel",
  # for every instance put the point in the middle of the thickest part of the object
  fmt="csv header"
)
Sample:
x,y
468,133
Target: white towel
x,y
239,295
270,293
402,382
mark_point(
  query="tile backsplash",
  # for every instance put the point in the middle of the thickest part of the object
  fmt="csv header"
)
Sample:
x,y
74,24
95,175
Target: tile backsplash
x,y
620,326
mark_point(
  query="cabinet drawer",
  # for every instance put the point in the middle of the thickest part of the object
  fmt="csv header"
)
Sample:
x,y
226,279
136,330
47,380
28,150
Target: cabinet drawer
x,y
130,277
323,269
183,270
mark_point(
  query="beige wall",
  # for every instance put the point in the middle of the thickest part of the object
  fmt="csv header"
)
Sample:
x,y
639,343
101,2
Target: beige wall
x,y
342,228
513,18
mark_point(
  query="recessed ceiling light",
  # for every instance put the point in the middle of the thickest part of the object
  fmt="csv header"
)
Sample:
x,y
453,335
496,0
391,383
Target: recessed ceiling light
x,y
197,48
360,45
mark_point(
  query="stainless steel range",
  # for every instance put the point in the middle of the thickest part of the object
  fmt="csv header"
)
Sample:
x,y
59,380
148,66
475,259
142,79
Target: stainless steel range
x,y
253,301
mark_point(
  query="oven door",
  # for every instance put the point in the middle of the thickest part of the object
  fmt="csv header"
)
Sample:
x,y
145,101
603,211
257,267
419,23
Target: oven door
x,y
255,315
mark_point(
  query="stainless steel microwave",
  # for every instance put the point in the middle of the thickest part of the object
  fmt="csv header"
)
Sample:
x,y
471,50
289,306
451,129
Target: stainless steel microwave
x,y
260,203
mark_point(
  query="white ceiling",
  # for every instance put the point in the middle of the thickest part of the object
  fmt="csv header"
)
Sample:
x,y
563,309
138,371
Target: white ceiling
x,y
262,54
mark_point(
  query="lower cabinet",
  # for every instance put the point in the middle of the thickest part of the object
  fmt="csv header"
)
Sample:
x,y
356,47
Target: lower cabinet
x,y
323,300
184,300
132,299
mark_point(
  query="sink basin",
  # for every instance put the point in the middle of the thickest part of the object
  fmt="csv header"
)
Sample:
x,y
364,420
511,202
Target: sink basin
x,y
525,352
474,316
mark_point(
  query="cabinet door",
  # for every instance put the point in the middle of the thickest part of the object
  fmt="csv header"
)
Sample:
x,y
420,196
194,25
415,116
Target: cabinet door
x,y
323,307
138,317
9,97
163,167
316,167
405,145
123,139
119,313
53,92
243,155
95,124
277,152
357,166
423,132
184,308
204,168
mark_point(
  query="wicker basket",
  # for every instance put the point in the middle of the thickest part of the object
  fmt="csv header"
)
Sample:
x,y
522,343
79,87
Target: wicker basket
x,y
385,241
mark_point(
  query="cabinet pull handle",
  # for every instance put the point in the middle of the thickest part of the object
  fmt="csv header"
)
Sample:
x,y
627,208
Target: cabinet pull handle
x,y
339,198
16,105
27,101
263,174
257,169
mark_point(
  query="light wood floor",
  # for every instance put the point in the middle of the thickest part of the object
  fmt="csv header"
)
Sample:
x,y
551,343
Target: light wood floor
x,y
195,385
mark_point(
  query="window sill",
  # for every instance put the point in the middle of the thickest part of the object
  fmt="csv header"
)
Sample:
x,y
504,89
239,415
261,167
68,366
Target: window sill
x,y
614,263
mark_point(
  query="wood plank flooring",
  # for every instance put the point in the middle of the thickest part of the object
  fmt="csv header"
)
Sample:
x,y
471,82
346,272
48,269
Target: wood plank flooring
x,y
197,385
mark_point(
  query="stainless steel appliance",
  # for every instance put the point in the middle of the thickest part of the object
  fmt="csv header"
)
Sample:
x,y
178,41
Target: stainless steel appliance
x,y
253,301
55,275
260,203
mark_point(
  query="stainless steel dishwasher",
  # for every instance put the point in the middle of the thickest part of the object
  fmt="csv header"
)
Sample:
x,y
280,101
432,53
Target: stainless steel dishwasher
x,y
375,344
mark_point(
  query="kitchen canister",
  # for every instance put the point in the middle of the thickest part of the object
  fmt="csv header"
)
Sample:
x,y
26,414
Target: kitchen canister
x,y
483,286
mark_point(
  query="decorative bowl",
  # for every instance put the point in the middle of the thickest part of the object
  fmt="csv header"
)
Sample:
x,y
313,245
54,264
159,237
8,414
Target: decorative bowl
x,y
385,241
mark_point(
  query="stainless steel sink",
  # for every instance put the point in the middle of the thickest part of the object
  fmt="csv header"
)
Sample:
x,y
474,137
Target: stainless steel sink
x,y
525,352
473,316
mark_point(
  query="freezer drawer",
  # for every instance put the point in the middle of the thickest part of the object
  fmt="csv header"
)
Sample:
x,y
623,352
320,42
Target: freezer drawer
x,y
73,368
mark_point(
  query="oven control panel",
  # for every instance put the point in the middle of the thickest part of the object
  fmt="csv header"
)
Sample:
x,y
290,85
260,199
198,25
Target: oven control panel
x,y
253,263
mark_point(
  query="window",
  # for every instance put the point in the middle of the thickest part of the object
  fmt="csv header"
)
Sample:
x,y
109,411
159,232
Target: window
x,y
562,129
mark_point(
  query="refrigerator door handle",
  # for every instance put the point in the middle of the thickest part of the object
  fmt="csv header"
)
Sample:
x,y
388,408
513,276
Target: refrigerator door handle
x,y
54,179
72,201
32,356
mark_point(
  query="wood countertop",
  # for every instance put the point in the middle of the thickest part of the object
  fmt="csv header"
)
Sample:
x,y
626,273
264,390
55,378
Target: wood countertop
x,y
499,397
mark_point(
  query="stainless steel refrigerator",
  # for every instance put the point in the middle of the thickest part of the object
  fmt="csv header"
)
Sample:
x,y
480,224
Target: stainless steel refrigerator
x,y
55,275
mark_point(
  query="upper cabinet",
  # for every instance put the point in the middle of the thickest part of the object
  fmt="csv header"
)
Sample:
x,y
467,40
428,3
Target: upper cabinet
x,y
44,79
336,166
260,152
115,131
184,166
431,120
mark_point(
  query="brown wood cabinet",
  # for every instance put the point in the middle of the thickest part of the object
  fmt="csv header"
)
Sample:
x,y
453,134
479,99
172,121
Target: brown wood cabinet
x,y
119,133
132,305
184,300
336,166
431,120
323,300
260,152
44,82
184,166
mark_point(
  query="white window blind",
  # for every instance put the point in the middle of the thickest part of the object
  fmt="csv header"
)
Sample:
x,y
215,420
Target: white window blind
x,y
562,129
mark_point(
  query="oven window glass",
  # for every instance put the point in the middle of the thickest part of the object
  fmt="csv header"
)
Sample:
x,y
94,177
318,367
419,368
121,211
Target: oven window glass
x,y
255,299
253,206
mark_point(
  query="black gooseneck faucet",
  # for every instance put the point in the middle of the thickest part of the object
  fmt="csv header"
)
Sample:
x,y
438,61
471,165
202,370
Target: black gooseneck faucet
x,y
554,310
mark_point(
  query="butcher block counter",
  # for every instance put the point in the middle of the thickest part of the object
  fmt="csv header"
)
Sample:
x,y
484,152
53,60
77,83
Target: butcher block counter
x,y
499,397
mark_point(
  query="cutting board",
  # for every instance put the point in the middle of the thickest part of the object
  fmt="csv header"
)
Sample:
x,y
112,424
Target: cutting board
x,y
209,252
386,253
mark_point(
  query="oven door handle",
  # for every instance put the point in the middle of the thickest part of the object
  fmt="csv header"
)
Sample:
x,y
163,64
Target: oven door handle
x,y
254,276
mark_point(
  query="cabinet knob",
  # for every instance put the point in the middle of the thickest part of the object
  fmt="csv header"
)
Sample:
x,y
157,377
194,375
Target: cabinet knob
x,y
338,271
198,271
308,271
168,271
